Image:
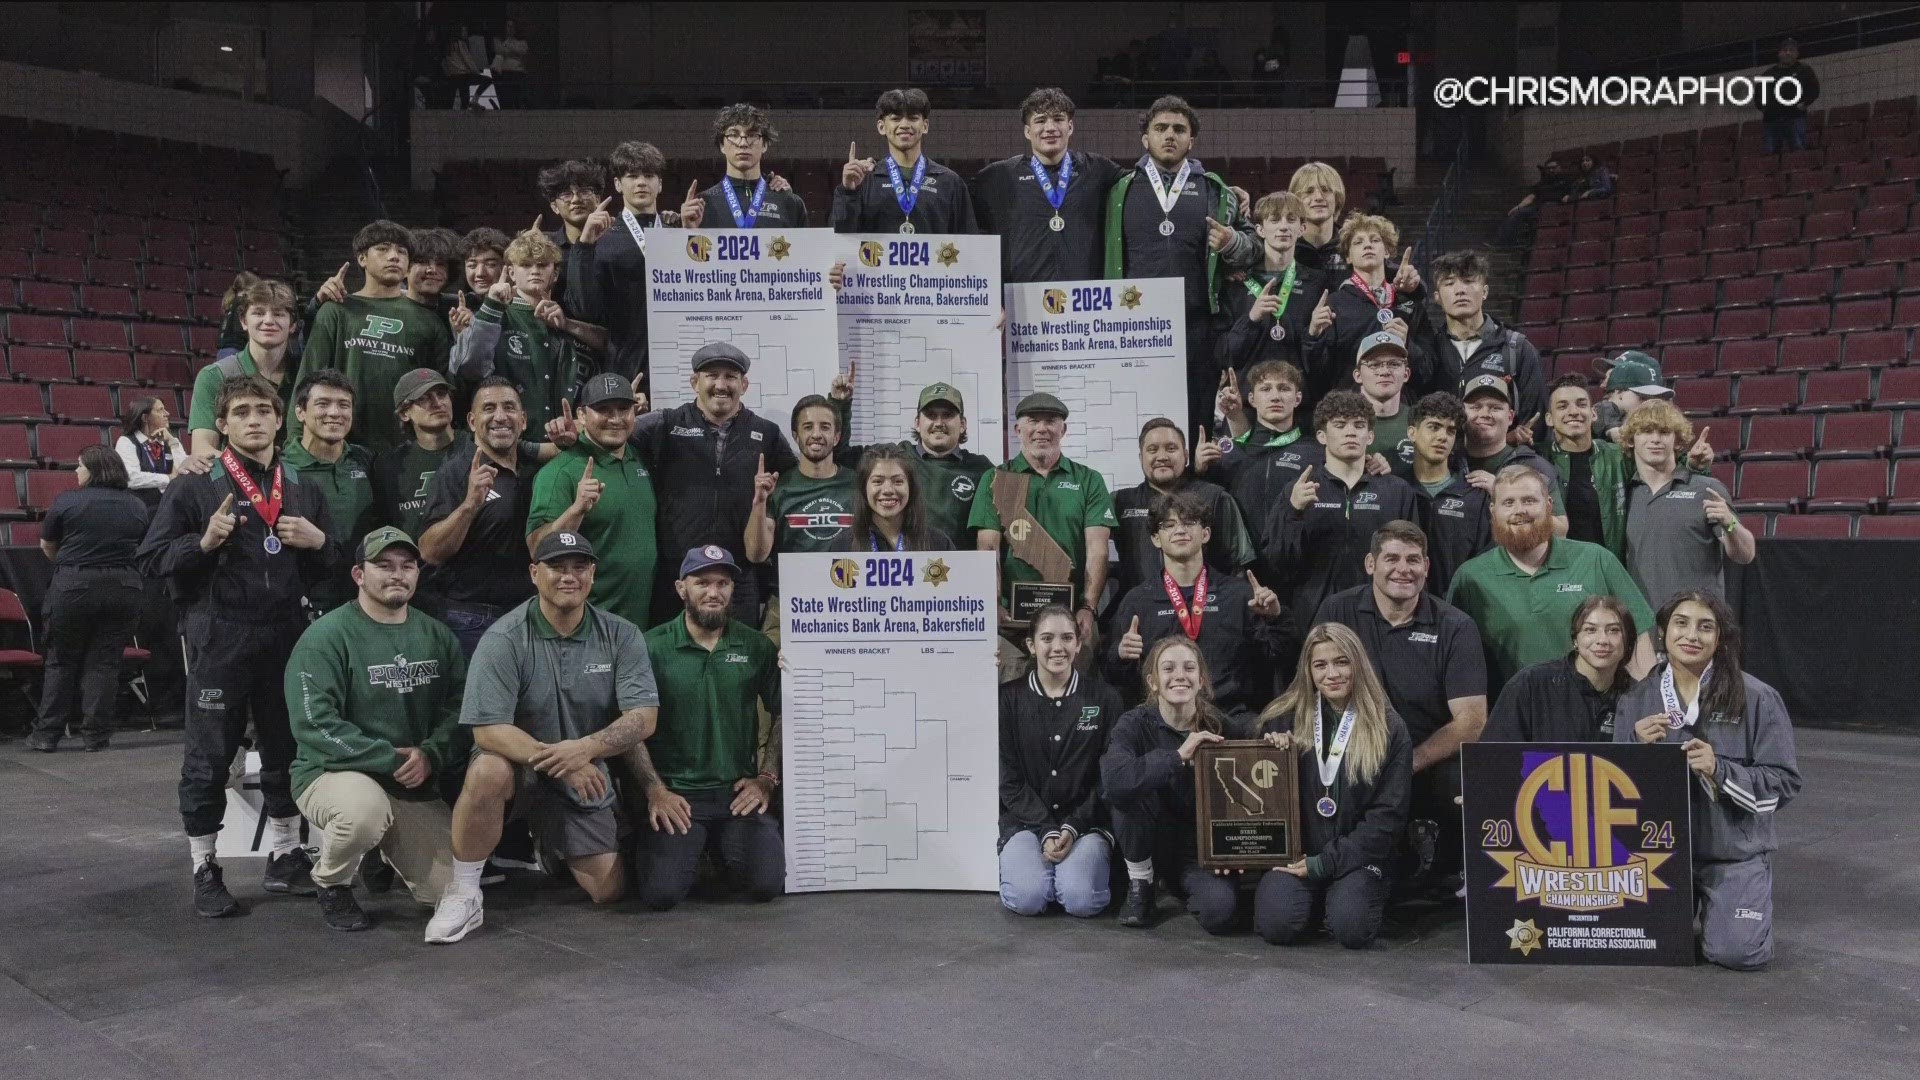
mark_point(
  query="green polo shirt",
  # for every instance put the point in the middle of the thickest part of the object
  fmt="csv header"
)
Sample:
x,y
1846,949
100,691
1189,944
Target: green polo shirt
x,y
620,526
1066,502
347,485
206,389
709,732
1526,620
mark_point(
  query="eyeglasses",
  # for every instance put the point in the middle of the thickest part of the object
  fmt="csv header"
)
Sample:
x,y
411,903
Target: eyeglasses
x,y
1176,525
582,195
739,138
1391,364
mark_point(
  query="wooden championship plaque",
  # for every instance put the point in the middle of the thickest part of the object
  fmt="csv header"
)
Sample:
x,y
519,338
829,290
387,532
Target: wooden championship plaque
x,y
1027,597
1248,812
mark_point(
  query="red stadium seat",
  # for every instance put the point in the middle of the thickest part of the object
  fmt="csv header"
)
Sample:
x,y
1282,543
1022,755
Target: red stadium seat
x,y
1808,353
170,251
47,296
1772,485
1765,393
1686,360
99,334
1586,279
1777,438
1879,348
1812,526
1906,487
1857,434
106,368
60,444
1703,397
100,300
171,306
1880,220
1837,391
163,370
1860,315
1828,226
1747,357
1852,486
1631,333
21,534
1745,292
1688,296
1899,247
1672,242
1691,326
1906,311
1684,219
1890,195
1581,307
1877,279
1732,213
1769,232
1899,389
121,246
1680,268
75,403
10,505
1742,323
166,278
1632,248
1804,285
1587,254
40,364
203,341
14,450
1778,260
1587,336
1540,310
1800,319
45,485
22,401
1892,527
65,242
1543,283
1726,264
1838,253
158,338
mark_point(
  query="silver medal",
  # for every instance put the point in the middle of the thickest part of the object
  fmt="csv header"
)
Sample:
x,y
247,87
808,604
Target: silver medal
x,y
1166,227
272,544
906,226
1056,223
1385,315
1278,333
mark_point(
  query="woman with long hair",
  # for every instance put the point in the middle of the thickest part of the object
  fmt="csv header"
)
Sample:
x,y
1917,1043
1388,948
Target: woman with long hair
x,y
1147,777
1739,746
1054,841
1356,777
1573,698
91,534
148,450
889,513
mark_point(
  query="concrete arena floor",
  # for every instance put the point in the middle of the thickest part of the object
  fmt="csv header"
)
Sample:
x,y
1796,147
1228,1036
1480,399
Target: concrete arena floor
x,y
104,973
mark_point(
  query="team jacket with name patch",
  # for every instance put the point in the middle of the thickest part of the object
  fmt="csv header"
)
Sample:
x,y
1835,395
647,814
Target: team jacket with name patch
x,y
1458,525
1050,756
1238,646
1553,702
1324,547
943,205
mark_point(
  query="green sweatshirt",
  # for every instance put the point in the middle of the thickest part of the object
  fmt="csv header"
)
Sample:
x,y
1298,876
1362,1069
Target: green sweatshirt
x,y
347,485
374,341
356,689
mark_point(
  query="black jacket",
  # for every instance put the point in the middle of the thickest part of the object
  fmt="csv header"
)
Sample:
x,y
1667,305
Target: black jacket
x,y
943,205
1332,356
1238,646
1050,756
1244,343
1502,351
1230,550
703,476
238,581
1007,200
1809,91
1260,475
1142,763
615,296
1365,829
1326,258
1458,524
1553,702
779,210
1323,548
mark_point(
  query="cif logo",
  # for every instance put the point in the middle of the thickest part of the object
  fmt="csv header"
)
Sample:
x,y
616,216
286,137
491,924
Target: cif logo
x,y
871,253
1055,301
1264,773
699,248
1578,863
379,326
845,573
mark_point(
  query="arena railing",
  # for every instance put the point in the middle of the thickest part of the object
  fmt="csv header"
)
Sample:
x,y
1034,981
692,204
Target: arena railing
x,y
1439,232
1816,39
1101,94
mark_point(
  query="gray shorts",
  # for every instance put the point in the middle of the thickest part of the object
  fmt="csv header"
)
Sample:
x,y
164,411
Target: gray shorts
x,y
560,825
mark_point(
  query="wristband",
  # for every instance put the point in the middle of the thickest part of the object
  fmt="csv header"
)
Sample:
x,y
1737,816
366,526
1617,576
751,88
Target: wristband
x,y
1731,526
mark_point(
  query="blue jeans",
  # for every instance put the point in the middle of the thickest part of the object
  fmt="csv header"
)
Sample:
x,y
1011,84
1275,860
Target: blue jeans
x,y
1028,882
469,624
1781,136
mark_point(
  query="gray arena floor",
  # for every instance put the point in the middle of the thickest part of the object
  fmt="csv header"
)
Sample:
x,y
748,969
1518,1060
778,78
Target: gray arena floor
x,y
104,973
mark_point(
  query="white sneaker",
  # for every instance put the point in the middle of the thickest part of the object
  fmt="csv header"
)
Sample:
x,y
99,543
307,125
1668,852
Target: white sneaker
x,y
457,915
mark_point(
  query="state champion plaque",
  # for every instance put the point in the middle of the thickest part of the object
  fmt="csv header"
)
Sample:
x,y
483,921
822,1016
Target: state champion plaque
x,y
1248,813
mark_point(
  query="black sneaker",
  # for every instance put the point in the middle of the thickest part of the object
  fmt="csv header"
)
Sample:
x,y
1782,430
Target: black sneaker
x,y
341,910
1137,908
45,746
290,874
375,873
211,900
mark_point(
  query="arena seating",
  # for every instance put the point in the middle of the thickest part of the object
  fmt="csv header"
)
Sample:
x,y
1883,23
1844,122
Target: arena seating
x,y
114,254
1781,293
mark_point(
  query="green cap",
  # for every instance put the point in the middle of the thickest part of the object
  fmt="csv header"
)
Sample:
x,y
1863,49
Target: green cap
x,y
1039,404
942,392
1636,371
379,540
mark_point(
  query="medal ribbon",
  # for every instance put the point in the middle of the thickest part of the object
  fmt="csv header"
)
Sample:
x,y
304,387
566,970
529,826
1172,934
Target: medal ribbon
x,y
904,194
633,226
1284,292
1670,698
745,220
899,542
1189,619
156,454
1373,298
1055,196
1329,763
267,508
1168,198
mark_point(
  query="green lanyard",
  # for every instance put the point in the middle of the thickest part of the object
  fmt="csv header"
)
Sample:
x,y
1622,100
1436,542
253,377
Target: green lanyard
x,y
1286,289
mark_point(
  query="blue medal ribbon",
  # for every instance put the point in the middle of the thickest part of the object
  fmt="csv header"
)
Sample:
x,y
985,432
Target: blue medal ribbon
x,y
1055,196
745,220
899,542
903,193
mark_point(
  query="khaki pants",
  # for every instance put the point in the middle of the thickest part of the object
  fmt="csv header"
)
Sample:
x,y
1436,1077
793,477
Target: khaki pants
x,y
355,815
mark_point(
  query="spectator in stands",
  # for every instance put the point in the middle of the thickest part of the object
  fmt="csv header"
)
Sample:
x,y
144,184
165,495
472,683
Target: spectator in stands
x,y
233,329
1571,698
1784,126
1522,592
1046,204
1367,301
91,534
483,254
1163,464
463,70
375,335
510,65
1453,513
912,193
715,767
745,198
237,576
1552,187
433,254
267,312
519,331
1267,313
1595,180
576,192
542,736
373,695
1489,450
1169,217
1323,197
148,451
1681,527
1469,342
402,474
476,516
615,293
340,471
1593,472
1054,843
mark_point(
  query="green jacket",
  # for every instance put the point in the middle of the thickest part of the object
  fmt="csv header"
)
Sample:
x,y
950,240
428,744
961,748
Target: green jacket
x,y
1610,478
1225,212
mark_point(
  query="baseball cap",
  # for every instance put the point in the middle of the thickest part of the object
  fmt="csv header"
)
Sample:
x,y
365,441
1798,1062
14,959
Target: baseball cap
x,y
702,558
379,540
942,392
1041,403
605,387
1381,339
558,544
414,385
1636,371
1495,383
719,352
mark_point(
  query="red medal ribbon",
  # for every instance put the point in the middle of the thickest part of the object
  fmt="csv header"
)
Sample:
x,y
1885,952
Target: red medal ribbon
x,y
267,508
1189,619
1366,290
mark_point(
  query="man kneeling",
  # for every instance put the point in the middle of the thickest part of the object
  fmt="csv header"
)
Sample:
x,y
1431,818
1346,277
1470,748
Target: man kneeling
x,y
557,686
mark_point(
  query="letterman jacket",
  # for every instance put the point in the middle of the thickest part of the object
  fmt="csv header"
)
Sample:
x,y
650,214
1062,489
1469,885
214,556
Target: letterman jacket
x,y
1050,756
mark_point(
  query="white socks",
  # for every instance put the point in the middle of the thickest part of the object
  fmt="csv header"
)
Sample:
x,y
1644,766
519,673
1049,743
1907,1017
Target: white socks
x,y
284,834
202,849
466,875
1139,871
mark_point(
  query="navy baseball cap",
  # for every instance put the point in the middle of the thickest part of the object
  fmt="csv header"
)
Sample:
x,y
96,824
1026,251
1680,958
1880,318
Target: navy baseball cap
x,y
559,544
703,558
